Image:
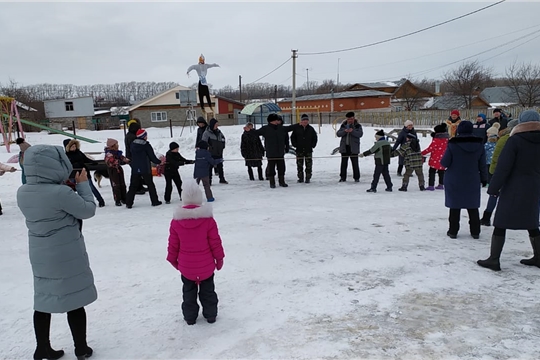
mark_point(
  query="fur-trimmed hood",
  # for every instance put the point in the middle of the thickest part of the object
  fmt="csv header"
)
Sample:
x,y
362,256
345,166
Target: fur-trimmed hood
x,y
73,142
525,127
185,212
467,143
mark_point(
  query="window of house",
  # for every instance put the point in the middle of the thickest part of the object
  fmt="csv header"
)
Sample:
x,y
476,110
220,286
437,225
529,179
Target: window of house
x,y
69,105
231,108
231,116
158,116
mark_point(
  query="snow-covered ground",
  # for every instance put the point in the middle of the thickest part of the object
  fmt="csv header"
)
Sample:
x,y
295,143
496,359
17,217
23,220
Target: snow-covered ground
x,y
320,270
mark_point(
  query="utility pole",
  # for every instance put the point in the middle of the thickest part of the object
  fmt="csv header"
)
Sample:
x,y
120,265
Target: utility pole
x,y
240,86
293,103
338,74
307,77
275,92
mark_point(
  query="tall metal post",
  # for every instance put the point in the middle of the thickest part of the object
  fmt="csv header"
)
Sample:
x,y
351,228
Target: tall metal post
x,y
240,86
293,103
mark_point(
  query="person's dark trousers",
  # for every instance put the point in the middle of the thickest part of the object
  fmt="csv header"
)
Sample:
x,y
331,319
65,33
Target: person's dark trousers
x,y
474,221
219,168
134,184
95,191
280,164
344,163
271,171
381,170
401,162
431,176
204,92
118,184
259,172
301,158
169,178
207,296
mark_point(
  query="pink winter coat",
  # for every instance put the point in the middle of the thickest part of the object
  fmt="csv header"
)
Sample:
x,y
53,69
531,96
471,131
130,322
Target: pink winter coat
x,y
437,149
194,242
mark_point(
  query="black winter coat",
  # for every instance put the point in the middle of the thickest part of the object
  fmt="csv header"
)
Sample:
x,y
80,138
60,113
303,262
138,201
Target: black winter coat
x,y
304,139
503,120
276,139
173,160
142,153
402,137
200,132
79,160
517,179
251,149
130,137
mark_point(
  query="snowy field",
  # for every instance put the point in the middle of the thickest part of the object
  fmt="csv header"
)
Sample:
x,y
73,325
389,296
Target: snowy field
x,y
321,270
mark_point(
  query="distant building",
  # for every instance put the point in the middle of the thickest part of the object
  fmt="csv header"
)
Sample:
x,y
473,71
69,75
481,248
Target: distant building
x,y
451,102
158,110
64,111
366,100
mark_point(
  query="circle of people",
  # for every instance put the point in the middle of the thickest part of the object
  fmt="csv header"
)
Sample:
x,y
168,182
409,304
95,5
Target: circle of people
x,y
466,156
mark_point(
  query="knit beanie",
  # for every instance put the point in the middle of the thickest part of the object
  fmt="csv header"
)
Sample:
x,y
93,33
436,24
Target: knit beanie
x,y
512,123
111,142
272,117
202,145
465,127
350,114
455,112
408,122
497,110
141,134
483,116
379,134
304,117
493,130
529,116
173,146
191,193
23,145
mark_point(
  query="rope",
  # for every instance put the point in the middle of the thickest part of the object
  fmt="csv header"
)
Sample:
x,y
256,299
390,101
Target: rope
x,y
299,157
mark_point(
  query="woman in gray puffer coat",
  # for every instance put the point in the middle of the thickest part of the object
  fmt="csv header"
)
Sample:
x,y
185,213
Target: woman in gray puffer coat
x,y
63,280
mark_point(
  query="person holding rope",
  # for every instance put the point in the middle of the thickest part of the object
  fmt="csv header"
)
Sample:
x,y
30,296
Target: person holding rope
x,y
276,141
304,140
350,133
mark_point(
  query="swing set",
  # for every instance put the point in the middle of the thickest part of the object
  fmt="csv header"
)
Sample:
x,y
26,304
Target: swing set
x,y
9,116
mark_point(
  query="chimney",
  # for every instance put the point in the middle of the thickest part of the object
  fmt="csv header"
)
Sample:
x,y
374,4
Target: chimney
x,y
437,87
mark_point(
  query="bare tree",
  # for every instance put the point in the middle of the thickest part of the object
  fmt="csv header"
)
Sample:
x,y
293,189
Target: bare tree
x,y
524,80
468,80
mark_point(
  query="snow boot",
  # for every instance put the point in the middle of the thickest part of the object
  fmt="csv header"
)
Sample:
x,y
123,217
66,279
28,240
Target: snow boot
x,y
403,188
535,260
42,329
439,187
486,218
451,235
77,325
492,262
211,320
474,225
422,188
272,182
430,188
372,190
191,322
282,182
88,354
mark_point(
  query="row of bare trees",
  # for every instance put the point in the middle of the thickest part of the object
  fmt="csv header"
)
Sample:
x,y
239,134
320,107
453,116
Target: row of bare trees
x,y
467,80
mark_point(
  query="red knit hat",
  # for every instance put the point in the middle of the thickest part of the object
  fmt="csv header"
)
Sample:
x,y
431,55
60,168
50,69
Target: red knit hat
x,y
141,133
455,112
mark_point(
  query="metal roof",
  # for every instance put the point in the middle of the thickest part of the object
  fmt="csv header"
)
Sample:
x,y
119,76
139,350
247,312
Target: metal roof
x,y
500,94
447,102
342,95
249,109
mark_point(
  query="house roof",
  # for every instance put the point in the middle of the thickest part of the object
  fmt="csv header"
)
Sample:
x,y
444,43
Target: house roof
x,y
341,95
24,106
157,96
101,112
229,100
447,102
72,98
382,84
500,95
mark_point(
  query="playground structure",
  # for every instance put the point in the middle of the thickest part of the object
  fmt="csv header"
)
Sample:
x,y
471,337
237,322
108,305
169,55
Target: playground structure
x,y
8,113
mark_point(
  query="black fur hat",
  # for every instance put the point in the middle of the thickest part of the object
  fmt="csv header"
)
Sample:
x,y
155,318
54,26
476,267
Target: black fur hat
x,y
272,117
441,128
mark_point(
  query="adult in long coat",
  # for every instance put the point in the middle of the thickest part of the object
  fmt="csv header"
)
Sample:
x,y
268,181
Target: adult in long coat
x,y
466,172
516,182
252,150
133,127
63,281
350,133
408,128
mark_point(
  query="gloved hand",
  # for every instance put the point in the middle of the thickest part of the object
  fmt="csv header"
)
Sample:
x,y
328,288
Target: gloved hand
x,y
423,159
219,264
361,155
219,161
484,184
191,161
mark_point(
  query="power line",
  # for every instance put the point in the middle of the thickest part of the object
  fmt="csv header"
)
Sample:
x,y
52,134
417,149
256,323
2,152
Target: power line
x,y
423,72
402,36
262,77
435,53
512,48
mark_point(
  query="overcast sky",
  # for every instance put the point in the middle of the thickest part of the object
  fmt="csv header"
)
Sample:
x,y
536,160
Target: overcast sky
x,y
89,43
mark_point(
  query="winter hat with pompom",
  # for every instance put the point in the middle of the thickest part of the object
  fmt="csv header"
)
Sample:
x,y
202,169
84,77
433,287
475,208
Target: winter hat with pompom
x,y
191,193
493,130
379,134
529,116
141,134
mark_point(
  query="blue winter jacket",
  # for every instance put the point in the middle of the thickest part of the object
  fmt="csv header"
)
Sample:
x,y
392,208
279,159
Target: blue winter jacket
x,y
203,161
141,155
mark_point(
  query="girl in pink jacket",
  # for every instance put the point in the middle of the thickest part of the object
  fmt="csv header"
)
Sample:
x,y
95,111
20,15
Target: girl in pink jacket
x,y
195,250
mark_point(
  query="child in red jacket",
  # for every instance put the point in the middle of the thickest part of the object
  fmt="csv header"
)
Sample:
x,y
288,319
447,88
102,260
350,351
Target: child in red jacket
x,y
195,250
436,149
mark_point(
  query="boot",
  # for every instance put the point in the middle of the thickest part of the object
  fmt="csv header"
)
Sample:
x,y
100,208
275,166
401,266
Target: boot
x,y
403,188
474,227
250,173
282,182
492,262
259,172
535,260
77,325
272,182
42,328
486,218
